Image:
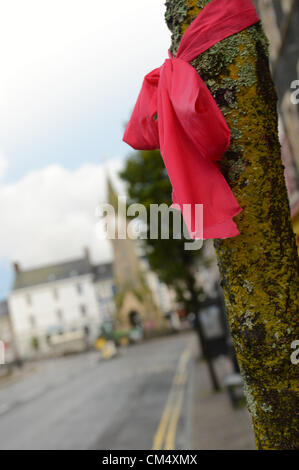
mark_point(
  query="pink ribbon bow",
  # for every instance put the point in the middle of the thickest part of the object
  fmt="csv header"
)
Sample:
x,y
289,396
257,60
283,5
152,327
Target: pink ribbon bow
x,y
176,113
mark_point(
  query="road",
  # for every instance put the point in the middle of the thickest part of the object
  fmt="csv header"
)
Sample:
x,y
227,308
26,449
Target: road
x,y
138,400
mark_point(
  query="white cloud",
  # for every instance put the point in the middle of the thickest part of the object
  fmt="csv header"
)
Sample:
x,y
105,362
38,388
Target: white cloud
x,y
3,164
59,58
49,215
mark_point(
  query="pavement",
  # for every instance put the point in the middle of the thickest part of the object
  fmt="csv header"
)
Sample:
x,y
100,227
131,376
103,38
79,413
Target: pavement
x,y
154,395
216,425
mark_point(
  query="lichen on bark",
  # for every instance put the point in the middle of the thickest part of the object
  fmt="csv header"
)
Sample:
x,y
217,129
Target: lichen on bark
x,y
259,269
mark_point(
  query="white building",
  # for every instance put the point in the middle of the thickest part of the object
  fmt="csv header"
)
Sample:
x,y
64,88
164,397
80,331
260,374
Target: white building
x,y
6,336
56,304
164,296
73,296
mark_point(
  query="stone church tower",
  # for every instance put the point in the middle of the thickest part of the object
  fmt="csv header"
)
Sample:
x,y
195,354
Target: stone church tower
x,y
134,300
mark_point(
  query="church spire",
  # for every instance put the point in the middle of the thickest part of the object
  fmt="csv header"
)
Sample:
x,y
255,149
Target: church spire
x,y
112,195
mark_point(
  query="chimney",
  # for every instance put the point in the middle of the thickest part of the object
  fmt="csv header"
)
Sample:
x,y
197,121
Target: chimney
x,y
16,267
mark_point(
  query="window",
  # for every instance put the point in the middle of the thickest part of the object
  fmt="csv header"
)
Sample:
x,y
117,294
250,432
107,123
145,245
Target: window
x,y
83,310
32,321
55,294
79,288
59,315
104,289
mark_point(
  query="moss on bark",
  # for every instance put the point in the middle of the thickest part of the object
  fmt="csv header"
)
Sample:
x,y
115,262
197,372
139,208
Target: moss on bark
x,y
259,269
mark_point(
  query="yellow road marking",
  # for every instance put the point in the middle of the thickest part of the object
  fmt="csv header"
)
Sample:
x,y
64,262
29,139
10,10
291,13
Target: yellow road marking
x,y
159,436
171,433
172,410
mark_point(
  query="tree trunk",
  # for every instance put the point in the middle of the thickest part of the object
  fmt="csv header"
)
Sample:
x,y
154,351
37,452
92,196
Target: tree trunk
x,y
259,268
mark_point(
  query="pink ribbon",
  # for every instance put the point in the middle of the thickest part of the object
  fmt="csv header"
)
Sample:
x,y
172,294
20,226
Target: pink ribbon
x,y
176,113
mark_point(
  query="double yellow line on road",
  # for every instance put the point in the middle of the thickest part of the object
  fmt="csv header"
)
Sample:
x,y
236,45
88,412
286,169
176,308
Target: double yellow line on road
x,y
166,432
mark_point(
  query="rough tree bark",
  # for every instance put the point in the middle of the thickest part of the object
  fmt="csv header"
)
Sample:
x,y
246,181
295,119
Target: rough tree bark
x,y
259,269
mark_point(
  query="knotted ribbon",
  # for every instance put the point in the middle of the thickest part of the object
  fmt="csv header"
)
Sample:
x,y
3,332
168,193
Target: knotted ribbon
x,y
176,113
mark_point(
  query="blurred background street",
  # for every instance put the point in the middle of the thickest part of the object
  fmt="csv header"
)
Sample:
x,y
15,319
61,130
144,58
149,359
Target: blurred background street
x,y
130,402
79,402
99,338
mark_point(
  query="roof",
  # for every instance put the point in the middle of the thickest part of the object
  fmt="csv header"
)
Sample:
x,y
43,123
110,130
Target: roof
x,y
103,271
3,308
50,273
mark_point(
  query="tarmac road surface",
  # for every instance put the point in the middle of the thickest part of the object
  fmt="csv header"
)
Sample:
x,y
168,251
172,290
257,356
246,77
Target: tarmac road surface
x,y
138,400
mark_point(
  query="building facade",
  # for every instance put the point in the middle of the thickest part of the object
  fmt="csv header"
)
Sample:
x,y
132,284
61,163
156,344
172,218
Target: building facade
x,y
70,297
54,307
7,353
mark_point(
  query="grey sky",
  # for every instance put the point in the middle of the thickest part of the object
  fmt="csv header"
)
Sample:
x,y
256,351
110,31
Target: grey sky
x,y
70,74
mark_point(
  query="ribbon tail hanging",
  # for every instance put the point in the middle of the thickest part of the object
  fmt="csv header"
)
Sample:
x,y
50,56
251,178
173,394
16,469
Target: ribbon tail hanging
x,y
193,136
